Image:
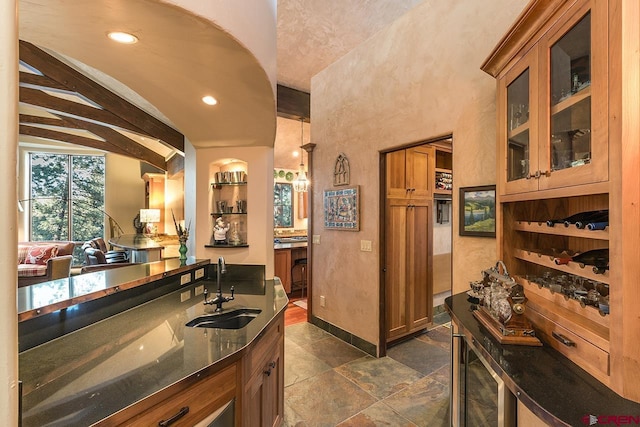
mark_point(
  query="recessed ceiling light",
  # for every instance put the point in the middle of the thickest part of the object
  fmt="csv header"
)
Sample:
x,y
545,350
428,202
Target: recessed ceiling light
x,y
209,100
120,37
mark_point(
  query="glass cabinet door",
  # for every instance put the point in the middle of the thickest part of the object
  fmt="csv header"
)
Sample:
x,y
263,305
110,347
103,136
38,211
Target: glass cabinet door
x,y
518,127
519,108
575,124
570,87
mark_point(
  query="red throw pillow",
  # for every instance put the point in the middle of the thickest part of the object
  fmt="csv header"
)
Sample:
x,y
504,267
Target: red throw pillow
x,y
40,254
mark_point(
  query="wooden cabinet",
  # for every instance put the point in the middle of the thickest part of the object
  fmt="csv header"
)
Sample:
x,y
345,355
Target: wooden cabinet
x,y
568,142
283,261
187,403
408,173
264,390
408,240
553,105
408,286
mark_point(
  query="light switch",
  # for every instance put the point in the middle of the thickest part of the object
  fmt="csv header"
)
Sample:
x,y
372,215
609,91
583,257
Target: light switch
x,y
316,239
199,273
365,245
185,278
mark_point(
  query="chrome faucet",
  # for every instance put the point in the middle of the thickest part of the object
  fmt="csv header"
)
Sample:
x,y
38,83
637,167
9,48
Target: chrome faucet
x,y
219,299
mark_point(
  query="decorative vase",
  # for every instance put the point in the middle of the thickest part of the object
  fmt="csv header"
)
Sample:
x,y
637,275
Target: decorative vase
x,y
183,250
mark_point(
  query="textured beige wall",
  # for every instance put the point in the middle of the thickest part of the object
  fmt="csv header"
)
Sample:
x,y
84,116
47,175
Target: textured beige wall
x,y
414,80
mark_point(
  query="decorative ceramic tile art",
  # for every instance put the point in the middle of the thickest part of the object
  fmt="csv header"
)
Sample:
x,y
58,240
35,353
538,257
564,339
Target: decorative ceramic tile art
x,y
341,209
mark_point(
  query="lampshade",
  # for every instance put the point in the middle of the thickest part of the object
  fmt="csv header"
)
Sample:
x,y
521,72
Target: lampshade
x,y
149,215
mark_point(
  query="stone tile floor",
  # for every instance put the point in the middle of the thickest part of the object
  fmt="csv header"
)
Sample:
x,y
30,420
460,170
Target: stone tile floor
x,y
331,383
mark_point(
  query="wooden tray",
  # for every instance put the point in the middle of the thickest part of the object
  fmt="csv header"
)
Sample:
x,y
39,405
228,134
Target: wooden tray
x,y
494,328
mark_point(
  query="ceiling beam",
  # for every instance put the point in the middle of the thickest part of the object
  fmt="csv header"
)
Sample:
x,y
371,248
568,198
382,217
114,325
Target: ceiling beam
x,y
137,120
294,104
114,141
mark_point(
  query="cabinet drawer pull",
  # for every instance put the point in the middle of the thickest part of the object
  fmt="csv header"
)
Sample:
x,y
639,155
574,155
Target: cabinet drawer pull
x,y
181,413
564,340
271,366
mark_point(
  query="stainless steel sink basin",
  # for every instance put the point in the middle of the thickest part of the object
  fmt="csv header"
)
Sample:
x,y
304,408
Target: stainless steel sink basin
x,y
234,319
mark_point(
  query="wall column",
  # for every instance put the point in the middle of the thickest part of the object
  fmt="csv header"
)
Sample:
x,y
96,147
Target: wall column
x,y
8,211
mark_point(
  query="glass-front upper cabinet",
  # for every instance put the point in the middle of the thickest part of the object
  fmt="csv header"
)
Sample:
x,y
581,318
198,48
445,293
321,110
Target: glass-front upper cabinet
x,y
556,107
520,107
576,116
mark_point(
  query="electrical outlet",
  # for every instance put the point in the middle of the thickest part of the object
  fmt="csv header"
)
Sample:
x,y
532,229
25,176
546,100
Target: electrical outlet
x,y
199,273
185,296
323,302
198,290
365,245
184,279
316,239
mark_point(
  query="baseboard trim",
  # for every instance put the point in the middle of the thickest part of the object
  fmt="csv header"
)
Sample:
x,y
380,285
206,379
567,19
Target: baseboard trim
x,y
345,336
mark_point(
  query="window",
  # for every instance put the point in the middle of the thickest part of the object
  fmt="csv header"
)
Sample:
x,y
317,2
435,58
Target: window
x,y
66,198
282,205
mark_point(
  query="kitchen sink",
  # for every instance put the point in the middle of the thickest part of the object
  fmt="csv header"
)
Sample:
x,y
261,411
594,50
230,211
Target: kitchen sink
x,y
234,319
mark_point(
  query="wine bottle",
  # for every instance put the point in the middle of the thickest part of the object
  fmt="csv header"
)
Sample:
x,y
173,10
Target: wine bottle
x,y
597,225
598,217
581,216
598,258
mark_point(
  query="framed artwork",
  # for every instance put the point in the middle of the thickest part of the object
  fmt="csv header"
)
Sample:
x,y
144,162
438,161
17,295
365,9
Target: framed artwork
x,y
342,209
478,211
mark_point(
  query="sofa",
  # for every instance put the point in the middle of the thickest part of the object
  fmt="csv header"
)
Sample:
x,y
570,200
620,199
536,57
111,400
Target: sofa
x,y
43,261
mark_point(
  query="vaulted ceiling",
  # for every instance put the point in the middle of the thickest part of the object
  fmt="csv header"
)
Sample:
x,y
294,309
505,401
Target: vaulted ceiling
x,y
179,58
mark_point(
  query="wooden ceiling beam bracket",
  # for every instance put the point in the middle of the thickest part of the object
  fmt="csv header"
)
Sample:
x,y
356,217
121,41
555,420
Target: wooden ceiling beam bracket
x,y
294,104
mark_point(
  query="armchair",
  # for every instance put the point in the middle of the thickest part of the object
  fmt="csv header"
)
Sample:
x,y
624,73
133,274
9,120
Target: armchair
x,y
96,252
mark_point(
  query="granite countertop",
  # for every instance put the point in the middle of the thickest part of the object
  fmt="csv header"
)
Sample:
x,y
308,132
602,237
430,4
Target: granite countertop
x,y
135,241
42,298
87,375
550,385
291,245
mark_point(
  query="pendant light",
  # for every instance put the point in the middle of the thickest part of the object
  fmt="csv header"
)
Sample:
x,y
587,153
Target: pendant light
x,y
301,183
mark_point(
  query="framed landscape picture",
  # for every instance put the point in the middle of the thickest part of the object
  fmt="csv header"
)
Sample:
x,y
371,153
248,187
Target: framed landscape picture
x,y
341,209
478,211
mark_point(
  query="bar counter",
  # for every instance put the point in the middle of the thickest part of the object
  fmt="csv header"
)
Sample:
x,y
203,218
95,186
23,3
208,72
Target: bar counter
x,y
42,298
546,382
88,375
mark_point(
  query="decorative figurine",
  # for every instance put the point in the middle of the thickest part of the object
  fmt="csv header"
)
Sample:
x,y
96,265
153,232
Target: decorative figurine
x,y
220,232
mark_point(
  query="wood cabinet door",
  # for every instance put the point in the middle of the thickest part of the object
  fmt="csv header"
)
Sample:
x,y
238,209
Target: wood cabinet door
x,y
408,272
420,166
419,265
282,267
395,276
409,173
265,391
395,174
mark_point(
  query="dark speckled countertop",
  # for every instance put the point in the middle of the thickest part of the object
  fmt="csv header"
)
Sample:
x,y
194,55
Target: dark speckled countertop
x,y
549,384
87,375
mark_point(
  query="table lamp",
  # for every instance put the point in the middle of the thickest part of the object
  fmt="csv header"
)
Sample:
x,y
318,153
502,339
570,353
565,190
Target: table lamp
x,y
149,217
